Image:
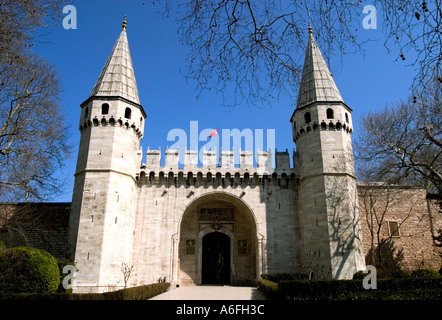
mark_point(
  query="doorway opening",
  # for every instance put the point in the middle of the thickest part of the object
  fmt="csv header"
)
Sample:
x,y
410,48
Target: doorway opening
x,y
216,259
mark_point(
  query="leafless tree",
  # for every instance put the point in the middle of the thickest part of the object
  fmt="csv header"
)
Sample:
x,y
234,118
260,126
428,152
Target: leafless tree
x,y
19,21
127,271
33,137
16,221
377,200
254,49
403,143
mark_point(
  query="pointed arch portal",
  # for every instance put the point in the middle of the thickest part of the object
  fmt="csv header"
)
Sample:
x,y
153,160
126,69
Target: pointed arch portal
x,y
218,242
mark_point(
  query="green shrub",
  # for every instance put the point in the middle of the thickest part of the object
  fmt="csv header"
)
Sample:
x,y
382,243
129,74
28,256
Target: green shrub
x,y
383,274
400,274
426,273
27,269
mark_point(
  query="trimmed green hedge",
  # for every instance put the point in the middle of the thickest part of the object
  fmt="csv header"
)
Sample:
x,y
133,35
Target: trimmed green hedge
x,y
269,290
317,290
138,293
135,293
426,273
278,277
26,269
387,289
400,274
419,294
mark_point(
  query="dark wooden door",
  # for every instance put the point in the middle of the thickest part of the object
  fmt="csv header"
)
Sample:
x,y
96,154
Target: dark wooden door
x,y
216,259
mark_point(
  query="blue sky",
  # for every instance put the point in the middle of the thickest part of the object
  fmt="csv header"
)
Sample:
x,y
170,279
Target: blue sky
x,y
366,83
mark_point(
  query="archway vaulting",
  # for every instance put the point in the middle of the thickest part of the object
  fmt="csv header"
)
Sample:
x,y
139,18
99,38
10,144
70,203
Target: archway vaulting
x,y
218,242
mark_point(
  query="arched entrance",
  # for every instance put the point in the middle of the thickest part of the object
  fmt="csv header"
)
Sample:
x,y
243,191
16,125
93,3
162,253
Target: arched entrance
x,y
216,259
217,242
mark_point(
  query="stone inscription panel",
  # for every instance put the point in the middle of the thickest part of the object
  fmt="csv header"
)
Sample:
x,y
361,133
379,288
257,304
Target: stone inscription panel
x,y
216,214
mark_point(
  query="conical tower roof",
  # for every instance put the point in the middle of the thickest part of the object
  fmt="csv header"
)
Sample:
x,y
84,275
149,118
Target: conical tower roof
x,y
317,82
118,77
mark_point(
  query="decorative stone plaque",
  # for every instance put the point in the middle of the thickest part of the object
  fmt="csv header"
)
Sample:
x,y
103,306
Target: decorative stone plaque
x,y
190,247
242,247
217,214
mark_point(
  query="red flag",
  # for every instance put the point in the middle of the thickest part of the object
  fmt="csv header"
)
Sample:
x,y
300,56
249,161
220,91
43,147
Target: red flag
x,y
213,133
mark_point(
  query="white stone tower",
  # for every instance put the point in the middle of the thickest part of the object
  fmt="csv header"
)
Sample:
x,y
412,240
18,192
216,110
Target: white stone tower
x,y
329,216
104,197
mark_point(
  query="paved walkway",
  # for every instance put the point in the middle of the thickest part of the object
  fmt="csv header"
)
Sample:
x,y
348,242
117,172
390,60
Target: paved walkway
x,y
208,292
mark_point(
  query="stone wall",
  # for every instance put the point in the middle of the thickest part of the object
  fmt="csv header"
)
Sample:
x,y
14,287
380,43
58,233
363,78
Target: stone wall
x,y
402,220
40,225
167,217
45,225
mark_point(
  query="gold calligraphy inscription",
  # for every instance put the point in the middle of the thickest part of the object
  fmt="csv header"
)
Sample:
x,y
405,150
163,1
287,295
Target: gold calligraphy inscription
x,y
217,214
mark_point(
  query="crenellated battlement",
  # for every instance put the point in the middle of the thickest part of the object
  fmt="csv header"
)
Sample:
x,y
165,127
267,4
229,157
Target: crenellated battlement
x,y
210,159
317,117
113,122
221,171
324,126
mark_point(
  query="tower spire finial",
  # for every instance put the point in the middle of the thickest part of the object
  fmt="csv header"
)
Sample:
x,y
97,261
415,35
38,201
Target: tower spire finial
x,y
117,78
310,31
124,24
317,82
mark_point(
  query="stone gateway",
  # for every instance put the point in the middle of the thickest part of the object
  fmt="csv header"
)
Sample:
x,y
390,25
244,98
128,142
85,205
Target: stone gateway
x,y
216,223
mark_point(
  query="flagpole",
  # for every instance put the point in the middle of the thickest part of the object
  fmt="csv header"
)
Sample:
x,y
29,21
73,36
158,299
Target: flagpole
x,y
217,148
215,133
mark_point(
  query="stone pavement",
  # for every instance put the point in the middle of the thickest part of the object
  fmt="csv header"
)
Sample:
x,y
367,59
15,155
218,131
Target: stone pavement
x,y
210,292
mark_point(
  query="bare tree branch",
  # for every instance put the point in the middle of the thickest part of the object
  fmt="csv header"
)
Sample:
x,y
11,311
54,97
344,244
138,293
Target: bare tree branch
x,y
252,50
33,137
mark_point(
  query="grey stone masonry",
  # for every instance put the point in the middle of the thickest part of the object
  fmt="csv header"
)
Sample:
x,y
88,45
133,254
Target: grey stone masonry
x,y
220,218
